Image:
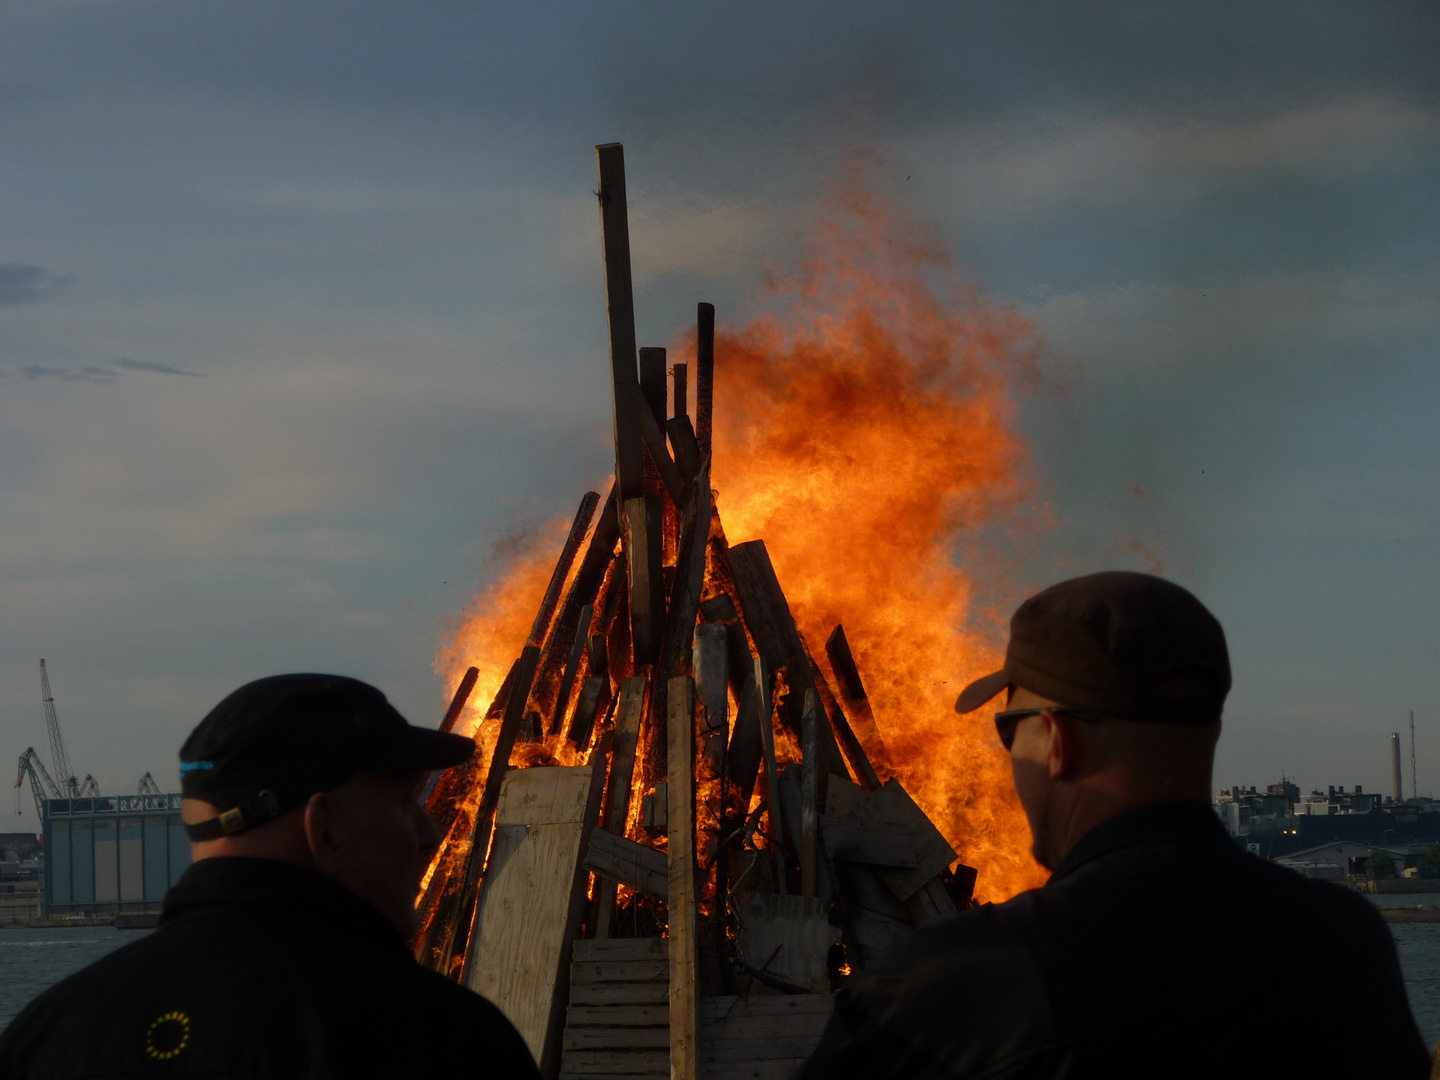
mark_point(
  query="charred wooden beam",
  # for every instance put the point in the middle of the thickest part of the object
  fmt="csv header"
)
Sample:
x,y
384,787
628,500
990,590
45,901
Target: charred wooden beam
x,y
810,782
620,313
572,665
712,734
652,382
645,574
447,724
765,697
683,445
653,434
853,697
849,745
742,762
644,868
617,796
704,374
682,908
680,408
594,696
578,529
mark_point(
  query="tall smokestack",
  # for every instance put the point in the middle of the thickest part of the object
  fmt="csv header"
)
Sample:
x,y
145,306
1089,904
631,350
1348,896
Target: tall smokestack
x,y
1395,762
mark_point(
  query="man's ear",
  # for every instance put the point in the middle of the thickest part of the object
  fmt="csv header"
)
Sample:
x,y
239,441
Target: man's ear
x,y
319,818
1062,746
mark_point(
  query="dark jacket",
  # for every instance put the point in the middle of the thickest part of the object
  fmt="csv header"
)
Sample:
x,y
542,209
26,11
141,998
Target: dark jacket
x,y
262,969
1157,949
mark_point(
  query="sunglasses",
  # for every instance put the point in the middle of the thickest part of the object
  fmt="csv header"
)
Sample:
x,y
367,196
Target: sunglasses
x,y
1006,722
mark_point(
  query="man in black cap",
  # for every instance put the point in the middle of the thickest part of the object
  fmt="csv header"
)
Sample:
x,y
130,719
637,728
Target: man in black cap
x,y
1158,948
282,950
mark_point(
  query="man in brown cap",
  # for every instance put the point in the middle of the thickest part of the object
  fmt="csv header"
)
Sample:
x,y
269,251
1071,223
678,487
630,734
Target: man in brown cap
x,y
1158,947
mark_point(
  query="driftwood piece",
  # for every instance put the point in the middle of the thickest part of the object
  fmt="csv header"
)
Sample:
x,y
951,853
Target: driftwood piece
x,y
684,445
620,314
680,409
529,911
682,901
854,699
629,863
643,567
704,374
572,666
617,795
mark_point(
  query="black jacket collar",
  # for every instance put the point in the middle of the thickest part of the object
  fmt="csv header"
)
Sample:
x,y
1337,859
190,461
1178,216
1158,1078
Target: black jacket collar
x,y
1183,822
230,882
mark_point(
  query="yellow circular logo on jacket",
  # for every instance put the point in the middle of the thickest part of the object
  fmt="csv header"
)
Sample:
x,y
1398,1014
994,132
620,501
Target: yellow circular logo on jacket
x,y
167,1036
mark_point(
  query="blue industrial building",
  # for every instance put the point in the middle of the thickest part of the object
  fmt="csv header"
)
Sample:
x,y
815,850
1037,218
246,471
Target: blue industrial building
x,y
112,853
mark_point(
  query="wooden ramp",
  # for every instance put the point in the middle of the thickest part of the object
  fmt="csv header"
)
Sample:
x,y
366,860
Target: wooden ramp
x,y
618,1024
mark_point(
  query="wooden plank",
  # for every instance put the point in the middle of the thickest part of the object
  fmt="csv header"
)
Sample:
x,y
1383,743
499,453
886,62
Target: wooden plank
x,y
704,374
653,435
875,917
843,796
789,1046
766,711
629,712
622,993
742,762
809,792
452,936
761,1029
618,1016
572,665
683,912
578,528
620,314
787,937
596,651
610,949
853,697
780,1069
683,607
731,1006
861,840
617,1063
680,407
589,972
712,727
849,743
643,553
652,381
683,446
929,903
447,724
530,907
933,852
612,1038
627,862
593,697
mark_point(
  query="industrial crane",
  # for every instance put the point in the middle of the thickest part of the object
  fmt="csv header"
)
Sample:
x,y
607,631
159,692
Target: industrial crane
x,y
148,786
40,782
67,786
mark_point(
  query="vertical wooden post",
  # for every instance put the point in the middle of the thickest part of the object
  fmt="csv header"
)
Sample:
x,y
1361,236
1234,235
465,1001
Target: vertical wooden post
x,y
766,702
681,902
622,771
704,374
681,403
652,382
620,312
712,731
809,793
645,572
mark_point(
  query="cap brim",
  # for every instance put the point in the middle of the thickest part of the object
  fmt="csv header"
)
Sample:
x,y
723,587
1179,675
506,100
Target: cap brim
x,y
421,749
981,690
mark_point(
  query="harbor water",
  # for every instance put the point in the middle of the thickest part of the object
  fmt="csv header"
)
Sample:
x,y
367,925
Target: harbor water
x,y
32,960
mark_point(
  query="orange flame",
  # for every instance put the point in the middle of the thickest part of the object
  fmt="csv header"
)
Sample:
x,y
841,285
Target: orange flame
x,y
865,429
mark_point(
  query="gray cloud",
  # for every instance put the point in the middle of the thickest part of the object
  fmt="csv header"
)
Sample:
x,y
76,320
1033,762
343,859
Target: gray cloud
x,y
88,374
21,283
159,369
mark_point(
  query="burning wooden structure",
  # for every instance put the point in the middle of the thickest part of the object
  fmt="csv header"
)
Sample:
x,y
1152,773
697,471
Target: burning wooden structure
x,y
679,833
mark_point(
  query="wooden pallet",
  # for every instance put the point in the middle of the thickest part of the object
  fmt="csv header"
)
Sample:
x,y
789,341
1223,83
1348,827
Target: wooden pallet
x,y
618,1023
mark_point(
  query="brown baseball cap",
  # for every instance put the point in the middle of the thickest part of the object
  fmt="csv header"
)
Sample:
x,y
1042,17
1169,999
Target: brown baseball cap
x,y
1124,645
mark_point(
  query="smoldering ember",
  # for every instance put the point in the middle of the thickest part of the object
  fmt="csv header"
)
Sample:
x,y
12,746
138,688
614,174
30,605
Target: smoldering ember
x,y
631,870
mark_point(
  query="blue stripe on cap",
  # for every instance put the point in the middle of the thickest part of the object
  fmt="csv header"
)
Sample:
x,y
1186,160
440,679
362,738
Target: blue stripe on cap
x,y
192,766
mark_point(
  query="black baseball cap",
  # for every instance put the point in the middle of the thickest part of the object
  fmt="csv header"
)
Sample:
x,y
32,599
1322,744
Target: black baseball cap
x,y
274,742
1121,644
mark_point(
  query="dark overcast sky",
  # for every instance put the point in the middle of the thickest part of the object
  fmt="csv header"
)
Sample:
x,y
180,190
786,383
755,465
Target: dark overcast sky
x,y
301,311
